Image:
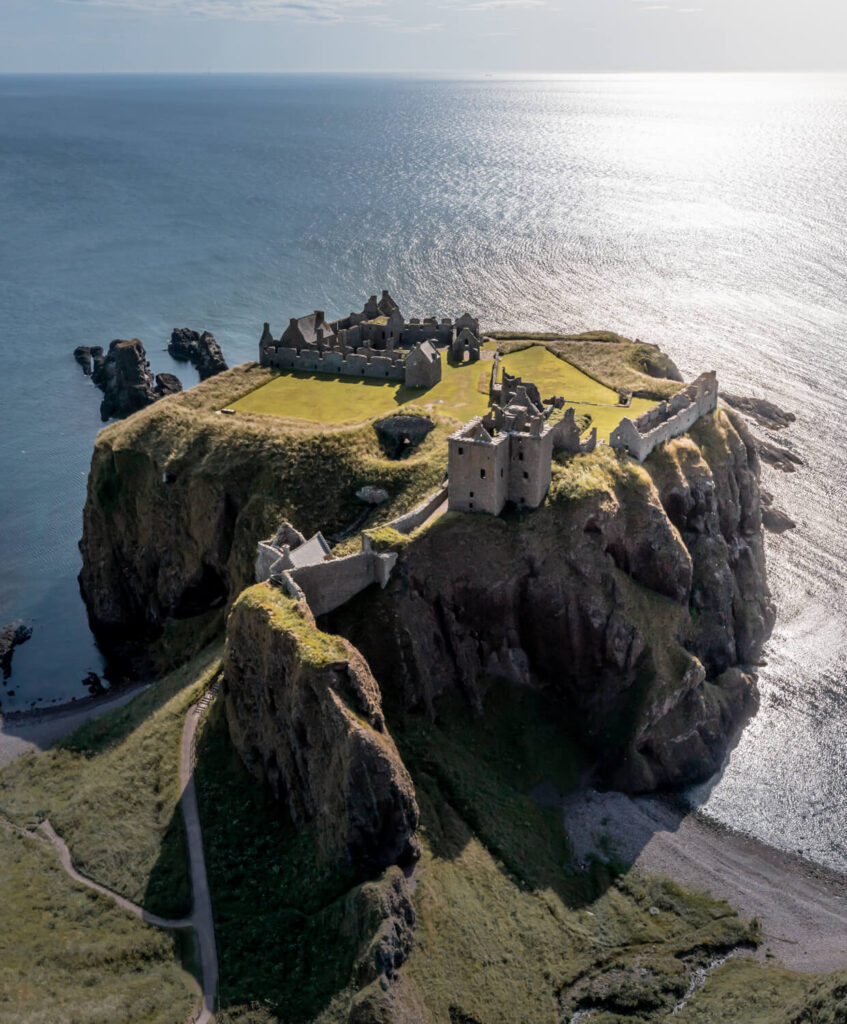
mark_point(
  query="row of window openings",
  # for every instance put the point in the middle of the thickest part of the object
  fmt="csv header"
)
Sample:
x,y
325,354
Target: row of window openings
x,y
525,476
462,450
482,474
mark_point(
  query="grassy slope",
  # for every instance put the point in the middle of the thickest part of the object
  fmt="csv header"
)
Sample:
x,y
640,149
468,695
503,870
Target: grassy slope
x,y
69,956
609,358
111,790
508,929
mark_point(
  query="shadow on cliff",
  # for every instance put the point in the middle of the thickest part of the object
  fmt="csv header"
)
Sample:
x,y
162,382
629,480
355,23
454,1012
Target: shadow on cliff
x,y
480,775
517,777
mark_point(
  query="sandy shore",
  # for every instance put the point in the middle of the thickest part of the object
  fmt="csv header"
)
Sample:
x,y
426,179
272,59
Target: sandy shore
x,y
38,730
802,907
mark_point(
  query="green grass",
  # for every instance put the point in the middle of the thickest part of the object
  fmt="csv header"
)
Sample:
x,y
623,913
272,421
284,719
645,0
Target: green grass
x,y
555,376
70,956
461,394
289,927
326,399
111,789
509,928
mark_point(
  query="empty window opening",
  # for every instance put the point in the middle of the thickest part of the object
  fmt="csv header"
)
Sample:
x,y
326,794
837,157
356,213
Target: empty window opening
x,y
501,473
461,450
520,456
471,494
526,475
470,504
482,474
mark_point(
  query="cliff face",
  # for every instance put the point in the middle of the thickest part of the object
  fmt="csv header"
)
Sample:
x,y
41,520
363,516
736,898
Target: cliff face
x,y
179,495
637,597
305,714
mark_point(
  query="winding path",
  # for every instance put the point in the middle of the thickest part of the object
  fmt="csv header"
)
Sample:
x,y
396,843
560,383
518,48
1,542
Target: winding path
x,y
200,918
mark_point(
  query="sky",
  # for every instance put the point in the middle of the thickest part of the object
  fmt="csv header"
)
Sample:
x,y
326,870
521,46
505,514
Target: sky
x,y
472,36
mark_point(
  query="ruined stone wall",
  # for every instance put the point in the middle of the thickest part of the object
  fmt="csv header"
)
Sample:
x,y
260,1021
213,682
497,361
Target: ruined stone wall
x,y
412,520
387,367
328,585
530,459
667,419
566,437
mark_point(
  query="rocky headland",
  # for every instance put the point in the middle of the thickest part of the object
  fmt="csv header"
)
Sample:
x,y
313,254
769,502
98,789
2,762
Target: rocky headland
x,y
611,636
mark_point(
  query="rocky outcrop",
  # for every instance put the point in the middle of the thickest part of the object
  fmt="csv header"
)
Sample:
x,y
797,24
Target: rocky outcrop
x,y
641,608
82,354
201,350
167,384
777,456
305,714
128,384
636,596
764,412
12,635
124,377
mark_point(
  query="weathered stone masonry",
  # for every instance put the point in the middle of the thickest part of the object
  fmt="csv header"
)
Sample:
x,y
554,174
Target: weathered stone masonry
x,y
376,343
667,419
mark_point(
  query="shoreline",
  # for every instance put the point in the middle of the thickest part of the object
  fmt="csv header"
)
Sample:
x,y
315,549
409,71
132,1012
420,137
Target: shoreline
x,y
802,905
68,706
24,731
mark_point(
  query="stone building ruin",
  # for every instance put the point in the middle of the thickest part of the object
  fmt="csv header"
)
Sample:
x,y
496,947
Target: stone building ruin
x,y
507,455
376,343
667,419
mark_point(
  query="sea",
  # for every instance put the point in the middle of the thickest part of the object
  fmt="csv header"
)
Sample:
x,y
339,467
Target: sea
x,y
705,213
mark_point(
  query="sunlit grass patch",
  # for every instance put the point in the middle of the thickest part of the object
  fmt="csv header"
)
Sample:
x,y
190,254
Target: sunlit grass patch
x,y
111,791
325,398
554,376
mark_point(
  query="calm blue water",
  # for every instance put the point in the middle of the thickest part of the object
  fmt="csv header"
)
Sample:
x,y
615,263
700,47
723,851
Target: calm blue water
x,y
704,213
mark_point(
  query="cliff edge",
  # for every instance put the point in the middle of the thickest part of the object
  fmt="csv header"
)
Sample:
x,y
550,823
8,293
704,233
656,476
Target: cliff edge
x,y
636,598
305,714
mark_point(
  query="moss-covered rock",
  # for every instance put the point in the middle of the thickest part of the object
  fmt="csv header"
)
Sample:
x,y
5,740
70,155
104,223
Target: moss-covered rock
x,y
305,714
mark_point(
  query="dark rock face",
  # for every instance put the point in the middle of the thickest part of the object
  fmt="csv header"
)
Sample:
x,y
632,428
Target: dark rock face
x,y
98,364
775,520
124,377
777,456
305,714
82,354
12,635
642,610
202,350
765,413
127,381
167,384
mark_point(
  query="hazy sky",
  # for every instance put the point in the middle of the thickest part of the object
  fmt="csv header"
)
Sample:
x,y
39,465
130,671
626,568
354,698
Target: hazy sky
x,y
422,35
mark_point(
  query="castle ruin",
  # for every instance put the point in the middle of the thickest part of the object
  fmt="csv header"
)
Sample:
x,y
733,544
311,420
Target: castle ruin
x,y
507,455
667,419
376,343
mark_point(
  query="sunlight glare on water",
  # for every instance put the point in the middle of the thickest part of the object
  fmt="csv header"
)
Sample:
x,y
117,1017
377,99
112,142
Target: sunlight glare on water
x,y
705,213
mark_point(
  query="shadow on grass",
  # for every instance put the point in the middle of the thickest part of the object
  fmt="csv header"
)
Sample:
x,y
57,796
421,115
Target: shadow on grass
x,y
474,775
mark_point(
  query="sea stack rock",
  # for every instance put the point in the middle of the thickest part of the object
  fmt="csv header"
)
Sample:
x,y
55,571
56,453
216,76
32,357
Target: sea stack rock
x,y
167,384
82,354
11,636
128,384
202,350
